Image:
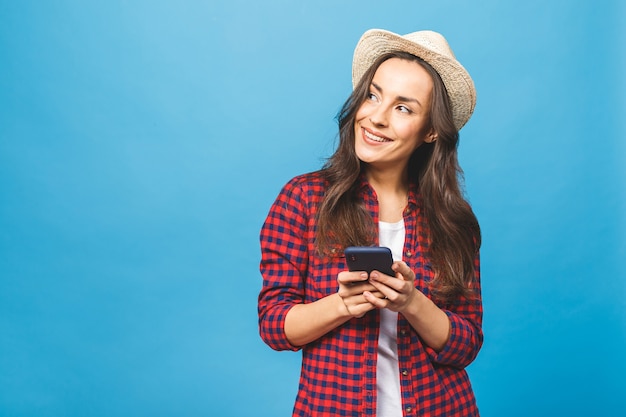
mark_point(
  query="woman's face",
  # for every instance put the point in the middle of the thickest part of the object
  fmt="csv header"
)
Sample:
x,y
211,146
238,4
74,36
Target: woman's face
x,y
394,119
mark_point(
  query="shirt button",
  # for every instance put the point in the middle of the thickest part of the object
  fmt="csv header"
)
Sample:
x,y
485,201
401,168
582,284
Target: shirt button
x,y
405,372
409,409
409,254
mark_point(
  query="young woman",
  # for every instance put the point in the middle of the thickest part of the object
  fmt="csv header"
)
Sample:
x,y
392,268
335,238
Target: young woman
x,y
382,345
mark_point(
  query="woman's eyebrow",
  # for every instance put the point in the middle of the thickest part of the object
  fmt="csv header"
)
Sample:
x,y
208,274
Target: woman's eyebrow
x,y
398,98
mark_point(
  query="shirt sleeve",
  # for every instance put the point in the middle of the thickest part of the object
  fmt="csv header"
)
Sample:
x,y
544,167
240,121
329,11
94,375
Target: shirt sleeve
x,y
466,335
284,260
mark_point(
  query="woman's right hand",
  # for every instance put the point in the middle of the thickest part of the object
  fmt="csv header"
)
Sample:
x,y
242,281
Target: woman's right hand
x,y
352,285
307,322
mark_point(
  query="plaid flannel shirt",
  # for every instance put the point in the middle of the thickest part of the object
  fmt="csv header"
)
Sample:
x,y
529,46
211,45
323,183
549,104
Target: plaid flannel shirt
x,y
338,375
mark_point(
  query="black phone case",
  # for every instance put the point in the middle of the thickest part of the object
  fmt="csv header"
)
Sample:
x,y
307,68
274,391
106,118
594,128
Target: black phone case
x,y
369,258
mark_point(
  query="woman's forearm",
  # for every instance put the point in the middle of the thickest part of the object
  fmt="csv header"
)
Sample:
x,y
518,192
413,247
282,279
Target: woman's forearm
x,y
429,321
305,323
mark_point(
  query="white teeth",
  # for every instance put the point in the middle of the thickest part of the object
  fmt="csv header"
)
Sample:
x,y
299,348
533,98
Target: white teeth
x,y
374,137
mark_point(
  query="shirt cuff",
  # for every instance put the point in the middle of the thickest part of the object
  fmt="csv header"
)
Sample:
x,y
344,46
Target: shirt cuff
x,y
462,346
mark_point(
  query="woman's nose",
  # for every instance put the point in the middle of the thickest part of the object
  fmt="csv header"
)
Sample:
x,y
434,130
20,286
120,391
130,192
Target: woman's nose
x,y
379,116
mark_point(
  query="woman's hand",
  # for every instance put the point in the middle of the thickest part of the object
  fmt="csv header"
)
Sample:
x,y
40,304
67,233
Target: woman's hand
x,y
400,295
307,322
398,292
352,287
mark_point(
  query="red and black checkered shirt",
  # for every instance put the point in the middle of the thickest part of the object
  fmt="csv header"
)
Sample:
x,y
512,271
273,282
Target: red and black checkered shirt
x,y
338,376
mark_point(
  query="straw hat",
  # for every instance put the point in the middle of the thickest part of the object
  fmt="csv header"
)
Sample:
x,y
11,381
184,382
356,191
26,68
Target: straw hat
x,y
432,48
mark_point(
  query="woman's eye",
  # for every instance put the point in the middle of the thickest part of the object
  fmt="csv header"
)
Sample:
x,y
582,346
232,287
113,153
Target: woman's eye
x,y
372,96
404,109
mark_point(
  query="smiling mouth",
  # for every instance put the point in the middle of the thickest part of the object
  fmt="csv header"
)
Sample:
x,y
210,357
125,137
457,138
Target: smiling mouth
x,y
375,138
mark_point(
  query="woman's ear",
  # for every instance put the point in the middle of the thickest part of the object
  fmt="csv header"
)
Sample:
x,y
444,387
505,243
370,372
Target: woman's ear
x,y
431,137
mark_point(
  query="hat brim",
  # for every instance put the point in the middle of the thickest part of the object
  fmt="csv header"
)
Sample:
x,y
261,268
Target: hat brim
x,y
458,83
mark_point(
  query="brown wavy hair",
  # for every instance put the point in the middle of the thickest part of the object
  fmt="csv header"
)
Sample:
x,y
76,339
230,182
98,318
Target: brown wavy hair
x,y
454,234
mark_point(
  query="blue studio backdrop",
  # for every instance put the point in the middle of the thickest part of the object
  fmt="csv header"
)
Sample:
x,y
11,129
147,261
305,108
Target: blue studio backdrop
x,y
142,143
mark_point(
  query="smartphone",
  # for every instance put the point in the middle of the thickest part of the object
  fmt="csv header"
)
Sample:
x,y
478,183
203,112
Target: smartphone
x,y
369,258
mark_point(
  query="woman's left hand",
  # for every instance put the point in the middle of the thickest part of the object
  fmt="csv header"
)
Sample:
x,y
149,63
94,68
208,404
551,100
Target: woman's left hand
x,y
428,320
399,291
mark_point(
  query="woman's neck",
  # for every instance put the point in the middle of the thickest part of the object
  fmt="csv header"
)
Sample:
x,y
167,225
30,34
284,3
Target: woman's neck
x,y
392,189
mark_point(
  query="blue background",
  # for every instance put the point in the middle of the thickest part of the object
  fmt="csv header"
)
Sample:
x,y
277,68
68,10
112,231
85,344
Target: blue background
x,y
142,143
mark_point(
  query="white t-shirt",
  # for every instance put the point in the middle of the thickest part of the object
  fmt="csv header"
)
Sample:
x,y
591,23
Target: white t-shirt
x,y
389,402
